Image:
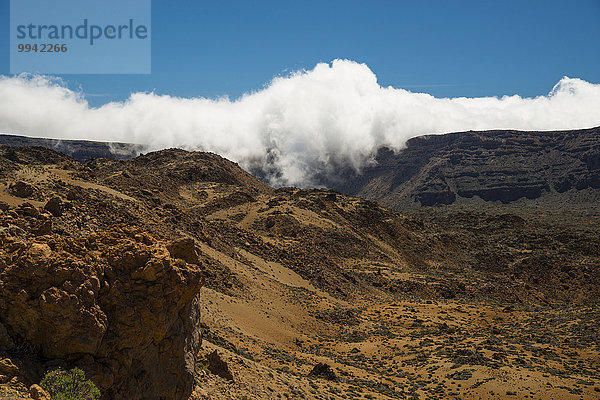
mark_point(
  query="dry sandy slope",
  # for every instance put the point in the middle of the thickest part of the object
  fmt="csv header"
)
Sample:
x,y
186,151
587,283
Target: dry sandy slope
x,y
302,277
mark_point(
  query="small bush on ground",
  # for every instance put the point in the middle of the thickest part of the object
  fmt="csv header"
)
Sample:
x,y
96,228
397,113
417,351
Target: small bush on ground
x,y
69,385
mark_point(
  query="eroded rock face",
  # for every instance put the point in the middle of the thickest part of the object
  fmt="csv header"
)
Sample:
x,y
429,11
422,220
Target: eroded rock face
x,y
116,304
495,166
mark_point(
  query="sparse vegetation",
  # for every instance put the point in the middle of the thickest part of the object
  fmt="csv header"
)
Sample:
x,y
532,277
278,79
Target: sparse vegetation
x,y
418,305
69,385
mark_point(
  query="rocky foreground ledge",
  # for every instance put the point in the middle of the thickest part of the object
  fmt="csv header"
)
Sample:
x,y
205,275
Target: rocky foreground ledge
x,y
121,305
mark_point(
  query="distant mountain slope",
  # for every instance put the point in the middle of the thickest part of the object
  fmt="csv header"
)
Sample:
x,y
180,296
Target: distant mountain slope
x,y
494,166
80,150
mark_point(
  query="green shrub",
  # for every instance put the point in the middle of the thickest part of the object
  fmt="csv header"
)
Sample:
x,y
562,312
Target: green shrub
x,y
69,385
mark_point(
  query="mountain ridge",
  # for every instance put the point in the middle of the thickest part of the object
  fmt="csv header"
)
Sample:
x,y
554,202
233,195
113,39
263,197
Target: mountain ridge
x,y
491,166
499,165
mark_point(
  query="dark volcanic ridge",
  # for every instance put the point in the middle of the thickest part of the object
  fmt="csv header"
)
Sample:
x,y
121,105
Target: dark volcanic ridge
x,y
493,166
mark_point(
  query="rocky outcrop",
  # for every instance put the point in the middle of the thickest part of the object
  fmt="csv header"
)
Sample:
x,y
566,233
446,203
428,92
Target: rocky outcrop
x,y
117,304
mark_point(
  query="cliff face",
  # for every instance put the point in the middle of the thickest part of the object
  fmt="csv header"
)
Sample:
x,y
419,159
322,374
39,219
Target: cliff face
x,y
119,304
501,166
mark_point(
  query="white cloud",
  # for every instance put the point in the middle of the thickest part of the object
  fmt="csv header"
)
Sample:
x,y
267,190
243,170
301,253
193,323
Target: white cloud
x,y
298,124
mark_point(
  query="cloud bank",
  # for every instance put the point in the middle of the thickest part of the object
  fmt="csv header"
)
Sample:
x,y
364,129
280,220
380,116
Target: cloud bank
x,y
297,126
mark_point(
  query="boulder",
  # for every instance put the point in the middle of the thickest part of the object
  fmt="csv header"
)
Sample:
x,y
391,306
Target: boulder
x,y
55,206
37,393
44,228
8,368
28,210
218,367
21,189
322,370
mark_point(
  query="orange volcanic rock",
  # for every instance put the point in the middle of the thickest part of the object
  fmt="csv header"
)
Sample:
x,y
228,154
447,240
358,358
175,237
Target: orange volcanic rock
x,y
114,303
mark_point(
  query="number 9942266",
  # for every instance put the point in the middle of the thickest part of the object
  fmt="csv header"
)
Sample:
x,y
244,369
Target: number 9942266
x,y
42,48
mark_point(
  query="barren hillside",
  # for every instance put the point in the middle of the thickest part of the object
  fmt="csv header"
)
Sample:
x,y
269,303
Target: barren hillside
x,y
307,293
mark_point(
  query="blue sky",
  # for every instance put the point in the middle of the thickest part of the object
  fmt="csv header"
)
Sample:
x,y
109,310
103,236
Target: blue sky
x,y
445,48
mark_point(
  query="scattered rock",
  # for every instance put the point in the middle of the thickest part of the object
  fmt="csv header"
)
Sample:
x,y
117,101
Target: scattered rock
x,y
322,370
44,228
4,206
55,206
463,375
75,193
37,393
340,315
218,367
8,368
21,189
284,225
27,209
